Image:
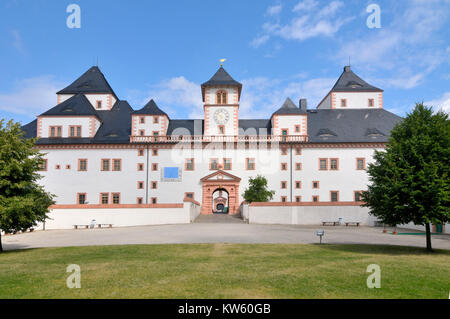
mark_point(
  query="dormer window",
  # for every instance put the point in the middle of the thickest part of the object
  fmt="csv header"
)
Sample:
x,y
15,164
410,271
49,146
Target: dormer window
x,y
221,97
371,103
343,102
142,120
99,104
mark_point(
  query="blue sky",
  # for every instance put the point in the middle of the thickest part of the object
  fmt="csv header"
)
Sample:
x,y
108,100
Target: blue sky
x,y
277,49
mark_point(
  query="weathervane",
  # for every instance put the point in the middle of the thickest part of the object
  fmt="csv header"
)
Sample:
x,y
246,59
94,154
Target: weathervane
x,y
221,61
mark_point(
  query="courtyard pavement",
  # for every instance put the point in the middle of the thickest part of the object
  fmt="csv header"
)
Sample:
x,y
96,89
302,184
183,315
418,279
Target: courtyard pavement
x,y
217,230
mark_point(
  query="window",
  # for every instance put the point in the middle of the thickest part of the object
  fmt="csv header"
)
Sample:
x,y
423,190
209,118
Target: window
x,y
284,132
154,185
105,164
334,196
315,199
55,131
283,151
298,151
82,164
221,129
315,184
58,166
154,200
154,166
140,152
297,129
81,198
155,120
189,164
189,195
43,165
283,199
358,197
360,163
115,198
140,166
323,164
298,199
67,166
283,184
74,131
140,185
99,104
227,164
298,166
139,200
221,97
141,132
371,103
343,102
155,152
117,164
283,166
298,184
334,164
155,136
142,119
250,164
104,198
213,164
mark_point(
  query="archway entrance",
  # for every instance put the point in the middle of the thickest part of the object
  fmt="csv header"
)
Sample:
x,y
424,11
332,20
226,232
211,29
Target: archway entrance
x,y
220,201
220,193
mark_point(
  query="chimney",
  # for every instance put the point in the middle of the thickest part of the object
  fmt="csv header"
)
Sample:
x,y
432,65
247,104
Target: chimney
x,y
302,104
347,68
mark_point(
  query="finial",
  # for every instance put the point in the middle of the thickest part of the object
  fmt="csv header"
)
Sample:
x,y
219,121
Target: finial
x,y
349,61
221,61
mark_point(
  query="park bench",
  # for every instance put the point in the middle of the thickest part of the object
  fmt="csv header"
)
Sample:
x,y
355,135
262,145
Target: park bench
x,y
352,224
104,225
331,223
80,226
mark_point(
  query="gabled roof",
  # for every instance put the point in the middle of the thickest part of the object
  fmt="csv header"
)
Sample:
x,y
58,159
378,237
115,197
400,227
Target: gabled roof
x,y
77,105
350,82
230,177
221,77
92,81
289,107
150,109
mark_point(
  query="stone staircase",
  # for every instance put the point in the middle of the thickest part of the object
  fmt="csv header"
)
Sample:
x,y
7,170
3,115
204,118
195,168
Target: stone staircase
x,y
219,218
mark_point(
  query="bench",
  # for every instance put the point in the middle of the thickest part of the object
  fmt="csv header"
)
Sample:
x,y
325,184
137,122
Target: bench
x,y
352,224
80,226
104,225
331,223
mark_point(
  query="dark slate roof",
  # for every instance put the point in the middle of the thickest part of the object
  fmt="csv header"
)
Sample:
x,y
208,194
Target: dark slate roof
x,y
255,127
92,81
30,129
75,105
350,125
185,127
349,81
150,109
221,77
289,107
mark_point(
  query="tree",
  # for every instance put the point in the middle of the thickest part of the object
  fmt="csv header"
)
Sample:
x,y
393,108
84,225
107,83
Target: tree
x,y
23,202
410,179
257,190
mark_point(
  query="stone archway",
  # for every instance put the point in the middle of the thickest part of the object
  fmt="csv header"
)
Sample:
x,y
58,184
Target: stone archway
x,y
220,180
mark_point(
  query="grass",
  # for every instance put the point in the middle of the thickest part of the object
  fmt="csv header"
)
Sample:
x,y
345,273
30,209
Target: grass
x,y
225,271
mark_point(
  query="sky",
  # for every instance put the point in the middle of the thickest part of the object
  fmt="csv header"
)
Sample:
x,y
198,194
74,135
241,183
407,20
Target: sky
x,y
277,49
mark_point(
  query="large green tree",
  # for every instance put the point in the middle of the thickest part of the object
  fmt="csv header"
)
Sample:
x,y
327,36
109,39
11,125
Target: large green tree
x,y
23,202
410,178
257,190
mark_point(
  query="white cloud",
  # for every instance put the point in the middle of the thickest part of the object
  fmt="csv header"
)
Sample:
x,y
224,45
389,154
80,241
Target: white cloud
x,y
31,96
441,104
274,10
17,42
311,21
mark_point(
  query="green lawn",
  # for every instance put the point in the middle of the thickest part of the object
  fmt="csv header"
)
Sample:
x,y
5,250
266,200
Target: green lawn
x,y
225,271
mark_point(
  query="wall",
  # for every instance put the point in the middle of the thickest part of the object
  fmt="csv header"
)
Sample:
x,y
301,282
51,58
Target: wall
x,y
65,218
307,214
89,125
422,228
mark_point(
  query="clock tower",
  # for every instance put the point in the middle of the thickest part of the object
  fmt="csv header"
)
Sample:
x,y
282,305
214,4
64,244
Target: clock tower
x,y
221,95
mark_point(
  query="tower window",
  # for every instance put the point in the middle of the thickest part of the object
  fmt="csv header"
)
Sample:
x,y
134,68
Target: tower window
x,y
99,104
221,97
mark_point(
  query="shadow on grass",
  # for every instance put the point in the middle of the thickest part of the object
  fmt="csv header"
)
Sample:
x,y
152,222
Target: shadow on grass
x,y
382,249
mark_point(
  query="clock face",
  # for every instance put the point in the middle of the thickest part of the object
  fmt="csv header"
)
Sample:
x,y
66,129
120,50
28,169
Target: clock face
x,y
221,116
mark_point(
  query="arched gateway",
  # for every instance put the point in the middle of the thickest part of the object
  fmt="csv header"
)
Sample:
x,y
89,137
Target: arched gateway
x,y
220,180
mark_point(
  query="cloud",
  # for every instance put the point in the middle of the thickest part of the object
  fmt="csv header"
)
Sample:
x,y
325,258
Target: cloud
x,y
31,96
274,10
17,42
310,21
441,104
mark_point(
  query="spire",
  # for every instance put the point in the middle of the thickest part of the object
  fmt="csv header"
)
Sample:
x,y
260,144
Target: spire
x,y
350,82
150,109
221,78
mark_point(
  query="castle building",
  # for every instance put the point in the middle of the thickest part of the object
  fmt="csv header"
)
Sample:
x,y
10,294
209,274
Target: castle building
x,y
101,153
